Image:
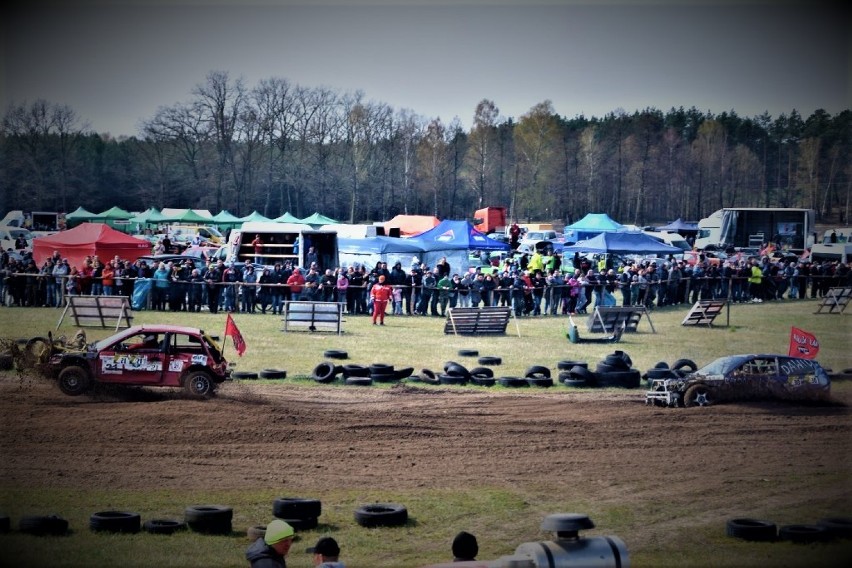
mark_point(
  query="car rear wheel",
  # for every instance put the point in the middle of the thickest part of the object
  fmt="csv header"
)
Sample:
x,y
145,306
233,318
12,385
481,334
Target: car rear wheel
x,y
198,383
699,395
74,380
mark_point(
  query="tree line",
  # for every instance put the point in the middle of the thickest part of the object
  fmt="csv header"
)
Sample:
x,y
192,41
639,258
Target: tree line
x,y
280,147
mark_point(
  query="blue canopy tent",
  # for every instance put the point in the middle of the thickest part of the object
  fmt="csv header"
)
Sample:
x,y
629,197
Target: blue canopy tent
x,y
624,242
589,226
454,240
368,251
680,226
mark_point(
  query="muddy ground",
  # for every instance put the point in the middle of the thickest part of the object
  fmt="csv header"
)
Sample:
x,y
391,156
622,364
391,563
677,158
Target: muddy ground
x,y
604,446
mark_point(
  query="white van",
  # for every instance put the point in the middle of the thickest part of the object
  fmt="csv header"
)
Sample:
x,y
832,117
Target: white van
x,y
9,234
670,238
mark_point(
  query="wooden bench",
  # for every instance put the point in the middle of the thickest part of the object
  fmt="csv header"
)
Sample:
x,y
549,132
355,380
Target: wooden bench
x,y
313,316
477,321
835,300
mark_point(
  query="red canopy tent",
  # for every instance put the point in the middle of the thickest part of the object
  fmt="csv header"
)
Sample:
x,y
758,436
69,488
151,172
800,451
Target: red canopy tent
x,y
89,239
409,225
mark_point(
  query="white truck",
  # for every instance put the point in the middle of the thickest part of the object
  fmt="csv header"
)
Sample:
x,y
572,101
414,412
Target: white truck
x,y
790,229
283,242
836,244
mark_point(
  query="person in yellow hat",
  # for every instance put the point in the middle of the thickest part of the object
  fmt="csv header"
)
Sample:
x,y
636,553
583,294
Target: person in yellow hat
x,y
269,551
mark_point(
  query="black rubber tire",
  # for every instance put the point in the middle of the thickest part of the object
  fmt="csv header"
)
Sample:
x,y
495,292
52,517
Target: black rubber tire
x,y
324,372
615,362
209,519
482,381
751,529
6,362
273,374
384,377
359,381
199,384
163,526
537,371
489,360
403,373
255,532
446,379
681,364
513,382
610,368
355,371
583,373
428,377
115,521
538,381
468,353
804,534
244,375
624,357
74,380
699,395
335,354
839,527
619,379
566,365
42,525
296,508
381,515
448,364
482,371
457,370
656,373
380,368
575,383
305,524
661,365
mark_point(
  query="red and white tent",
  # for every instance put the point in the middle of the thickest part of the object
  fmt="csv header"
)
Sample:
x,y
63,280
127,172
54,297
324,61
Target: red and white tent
x,y
89,239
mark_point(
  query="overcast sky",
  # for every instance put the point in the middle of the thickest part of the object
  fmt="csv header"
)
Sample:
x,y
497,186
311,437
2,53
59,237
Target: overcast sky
x,y
114,62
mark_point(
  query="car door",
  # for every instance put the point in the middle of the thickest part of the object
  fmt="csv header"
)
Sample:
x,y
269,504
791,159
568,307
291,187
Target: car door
x,y
136,360
182,351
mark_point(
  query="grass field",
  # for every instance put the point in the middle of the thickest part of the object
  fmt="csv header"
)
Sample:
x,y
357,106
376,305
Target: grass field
x,y
419,342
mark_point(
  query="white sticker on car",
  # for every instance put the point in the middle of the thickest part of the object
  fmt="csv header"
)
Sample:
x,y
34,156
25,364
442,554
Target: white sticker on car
x,y
199,359
175,366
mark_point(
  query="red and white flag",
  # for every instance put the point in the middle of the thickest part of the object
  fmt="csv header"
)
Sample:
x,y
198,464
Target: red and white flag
x,y
232,330
803,344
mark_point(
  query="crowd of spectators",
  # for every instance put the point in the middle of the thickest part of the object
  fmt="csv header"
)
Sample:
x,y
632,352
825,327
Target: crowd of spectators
x,y
532,285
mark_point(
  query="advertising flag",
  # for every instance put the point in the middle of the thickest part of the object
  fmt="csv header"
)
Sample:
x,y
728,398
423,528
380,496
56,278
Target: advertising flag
x,y
232,330
803,344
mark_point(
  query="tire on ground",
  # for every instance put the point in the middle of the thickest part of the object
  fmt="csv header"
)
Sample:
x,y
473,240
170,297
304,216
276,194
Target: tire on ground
x,y
255,532
582,373
296,507
428,376
359,381
682,364
403,373
839,527
6,362
804,534
335,354
244,375
353,370
209,519
483,381
384,377
457,370
538,381
513,382
41,525
324,372
482,371
751,529
489,360
380,368
537,371
574,383
115,521
565,365
304,524
620,379
447,379
468,353
163,526
381,515
273,374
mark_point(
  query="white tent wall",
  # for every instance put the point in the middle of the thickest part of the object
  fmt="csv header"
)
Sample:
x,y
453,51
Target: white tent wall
x,y
458,259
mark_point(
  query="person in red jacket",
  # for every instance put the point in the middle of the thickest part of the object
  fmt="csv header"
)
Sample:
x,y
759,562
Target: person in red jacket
x,y
380,293
296,282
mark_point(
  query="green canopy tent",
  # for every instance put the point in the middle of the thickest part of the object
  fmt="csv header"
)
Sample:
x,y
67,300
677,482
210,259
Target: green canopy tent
x,y
255,216
78,216
151,217
317,220
187,217
287,218
117,218
226,221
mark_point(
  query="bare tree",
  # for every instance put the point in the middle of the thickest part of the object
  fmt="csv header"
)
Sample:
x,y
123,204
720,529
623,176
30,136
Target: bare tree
x,y
481,156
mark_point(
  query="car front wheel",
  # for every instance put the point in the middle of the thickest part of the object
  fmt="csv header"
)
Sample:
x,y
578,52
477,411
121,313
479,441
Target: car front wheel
x,y
198,383
74,381
699,395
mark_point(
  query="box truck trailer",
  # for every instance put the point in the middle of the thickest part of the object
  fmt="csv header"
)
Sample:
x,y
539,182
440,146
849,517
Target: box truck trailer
x,y
789,229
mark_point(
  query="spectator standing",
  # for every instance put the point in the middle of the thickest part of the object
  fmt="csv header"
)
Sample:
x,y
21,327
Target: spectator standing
x,y
380,293
465,547
326,553
269,550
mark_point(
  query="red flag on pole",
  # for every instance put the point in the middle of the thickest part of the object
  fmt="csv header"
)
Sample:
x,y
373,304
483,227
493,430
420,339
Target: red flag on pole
x,y
803,344
232,330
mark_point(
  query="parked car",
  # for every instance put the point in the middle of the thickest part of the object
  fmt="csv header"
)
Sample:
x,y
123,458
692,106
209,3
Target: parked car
x,y
742,377
145,355
543,241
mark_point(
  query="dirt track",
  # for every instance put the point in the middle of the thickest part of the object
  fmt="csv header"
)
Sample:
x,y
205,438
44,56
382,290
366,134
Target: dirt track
x,y
735,457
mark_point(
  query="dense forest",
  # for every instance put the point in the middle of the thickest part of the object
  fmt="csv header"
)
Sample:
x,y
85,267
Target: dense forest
x,y
281,147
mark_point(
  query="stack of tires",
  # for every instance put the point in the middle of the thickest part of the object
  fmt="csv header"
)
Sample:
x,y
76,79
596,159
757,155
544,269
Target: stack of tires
x,y
616,370
575,374
209,519
678,369
300,513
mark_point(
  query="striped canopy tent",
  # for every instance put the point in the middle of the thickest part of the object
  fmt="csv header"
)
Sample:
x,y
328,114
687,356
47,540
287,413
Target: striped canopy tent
x,y
117,218
287,218
79,215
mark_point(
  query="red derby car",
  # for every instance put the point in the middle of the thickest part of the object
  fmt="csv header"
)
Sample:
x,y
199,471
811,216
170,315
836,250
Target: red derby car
x,y
145,355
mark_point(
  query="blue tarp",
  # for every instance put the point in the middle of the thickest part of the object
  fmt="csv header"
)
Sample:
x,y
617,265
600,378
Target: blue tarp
x,y
368,251
454,240
141,289
622,243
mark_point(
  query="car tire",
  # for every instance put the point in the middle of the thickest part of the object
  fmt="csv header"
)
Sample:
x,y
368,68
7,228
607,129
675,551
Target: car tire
x,y
513,382
296,508
566,365
324,372
751,529
384,377
537,371
380,368
619,379
839,527
359,381
163,526
115,521
74,380
428,376
687,364
483,381
489,360
355,371
575,383
538,381
381,515
468,353
199,384
244,375
303,524
273,374
457,370
403,373
804,534
699,395
482,371
209,519
447,379
43,525
335,354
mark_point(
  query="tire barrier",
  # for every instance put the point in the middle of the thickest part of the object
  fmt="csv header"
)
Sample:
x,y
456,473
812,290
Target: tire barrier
x,y
482,372
537,381
209,519
631,379
300,513
537,371
355,371
244,375
273,374
403,373
513,382
838,527
489,360
566,365
447,379
575,383
43,525
751,529
454,369
684,364
115,521
483,381
163,526
380,368
381,515
468,353
803,534
335,354
428,377
359,381
325,372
